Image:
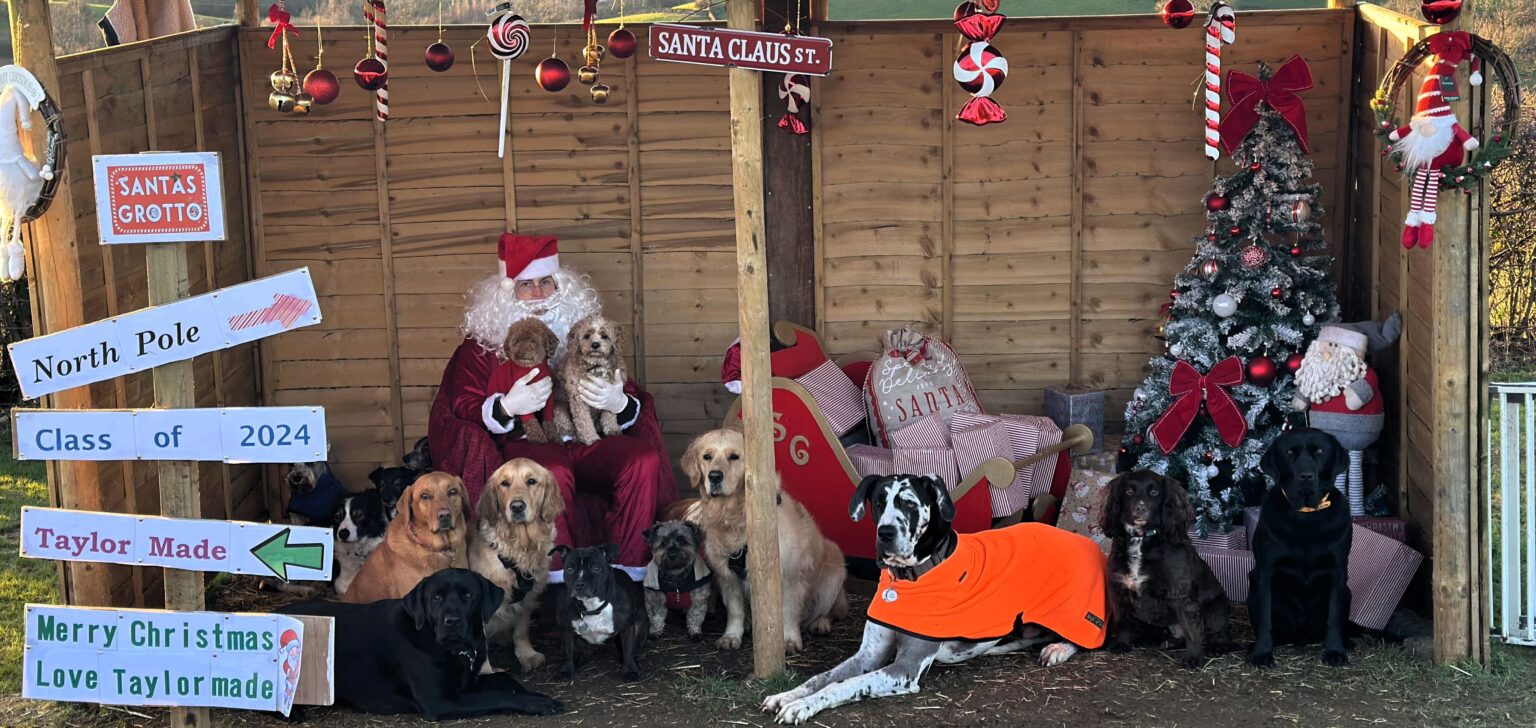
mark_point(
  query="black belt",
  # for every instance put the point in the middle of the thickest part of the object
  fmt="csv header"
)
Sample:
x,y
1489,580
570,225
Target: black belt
x,y
524,580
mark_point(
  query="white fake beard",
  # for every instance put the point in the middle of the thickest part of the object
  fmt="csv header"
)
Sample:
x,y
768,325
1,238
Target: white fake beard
x,y
493,309
1326,370
1429,138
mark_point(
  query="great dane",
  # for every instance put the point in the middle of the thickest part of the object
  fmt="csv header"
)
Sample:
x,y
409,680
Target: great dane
x,y
926,607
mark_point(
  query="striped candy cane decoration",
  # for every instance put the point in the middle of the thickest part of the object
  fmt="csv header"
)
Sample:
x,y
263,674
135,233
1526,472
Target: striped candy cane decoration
x,y
373,11
1219,29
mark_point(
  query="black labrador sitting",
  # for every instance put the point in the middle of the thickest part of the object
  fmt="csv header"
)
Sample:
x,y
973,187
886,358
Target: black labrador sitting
x,y
422,654
1157,581
600,603
1298,590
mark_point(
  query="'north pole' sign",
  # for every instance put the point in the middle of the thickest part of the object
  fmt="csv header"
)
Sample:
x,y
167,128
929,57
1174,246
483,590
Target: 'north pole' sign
x,y
173,197
291,553
741,49
149,657
175,331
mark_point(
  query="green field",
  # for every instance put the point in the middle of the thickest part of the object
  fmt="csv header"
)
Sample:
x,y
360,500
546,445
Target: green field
x,y
21,580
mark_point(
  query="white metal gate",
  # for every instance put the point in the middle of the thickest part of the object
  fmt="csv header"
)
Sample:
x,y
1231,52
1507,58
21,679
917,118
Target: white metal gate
x,y
1512,480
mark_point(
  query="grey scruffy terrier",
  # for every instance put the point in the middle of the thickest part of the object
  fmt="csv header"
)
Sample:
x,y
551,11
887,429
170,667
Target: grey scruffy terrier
x,y
677,577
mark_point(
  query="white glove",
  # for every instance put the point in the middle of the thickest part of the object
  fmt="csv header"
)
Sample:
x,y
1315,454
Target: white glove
x,y
525,398
605,395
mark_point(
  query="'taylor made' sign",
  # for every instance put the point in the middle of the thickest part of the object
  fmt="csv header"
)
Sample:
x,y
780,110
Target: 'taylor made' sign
x,y
147,657
172,197
230,434
175,331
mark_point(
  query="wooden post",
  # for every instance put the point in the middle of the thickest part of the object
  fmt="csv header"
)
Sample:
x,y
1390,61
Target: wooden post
x,y
756,396
166,265
247,13
788,220
54,277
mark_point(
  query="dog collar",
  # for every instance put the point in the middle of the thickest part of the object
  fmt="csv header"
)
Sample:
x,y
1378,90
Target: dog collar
x,y
1143,533
582,610
1322,505
524,583
916,571
410,528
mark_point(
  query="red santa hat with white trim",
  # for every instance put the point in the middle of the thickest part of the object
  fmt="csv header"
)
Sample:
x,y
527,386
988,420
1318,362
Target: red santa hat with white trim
x,y
527,256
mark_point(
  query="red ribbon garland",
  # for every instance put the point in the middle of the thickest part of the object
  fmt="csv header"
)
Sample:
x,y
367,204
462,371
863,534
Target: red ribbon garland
x,y
280,18
1279,91
1189,388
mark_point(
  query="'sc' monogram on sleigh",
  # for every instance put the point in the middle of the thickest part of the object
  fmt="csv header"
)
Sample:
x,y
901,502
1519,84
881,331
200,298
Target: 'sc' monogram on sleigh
x,y
799,445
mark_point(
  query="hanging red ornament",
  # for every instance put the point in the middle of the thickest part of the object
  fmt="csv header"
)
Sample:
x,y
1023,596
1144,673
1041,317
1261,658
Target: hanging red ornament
x,y
1253,257
1255,167
1293,363
370,74
1440,12
1211,237
1177,14
439,57
1235,231
1276,293
1301,211
552,74
1261,371
1216,203
1210,269
794,91
322,86
980,69
1137,440
622,43
1296,250
1174,294
1210,456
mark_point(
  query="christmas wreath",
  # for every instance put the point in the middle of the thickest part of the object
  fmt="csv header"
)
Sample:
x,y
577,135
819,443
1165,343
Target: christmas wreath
x,y
1477,165
37,98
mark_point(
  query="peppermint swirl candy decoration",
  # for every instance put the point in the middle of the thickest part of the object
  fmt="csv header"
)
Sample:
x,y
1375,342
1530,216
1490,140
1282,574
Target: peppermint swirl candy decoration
x,y
980,69
794,90
508,35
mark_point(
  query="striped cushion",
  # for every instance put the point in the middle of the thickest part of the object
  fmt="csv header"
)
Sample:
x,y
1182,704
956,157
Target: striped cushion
x,y
838,397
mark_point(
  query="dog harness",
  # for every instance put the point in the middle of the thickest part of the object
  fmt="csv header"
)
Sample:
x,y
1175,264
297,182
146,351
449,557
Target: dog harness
x,y
995,580
677,586
738,563
524,583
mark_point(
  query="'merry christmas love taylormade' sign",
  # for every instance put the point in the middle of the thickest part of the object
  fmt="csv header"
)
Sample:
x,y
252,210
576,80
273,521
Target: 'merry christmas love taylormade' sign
x,y
741,49
176,331
146,657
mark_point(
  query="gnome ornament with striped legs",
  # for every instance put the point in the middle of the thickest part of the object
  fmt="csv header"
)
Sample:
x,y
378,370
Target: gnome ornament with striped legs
x,y
1433,139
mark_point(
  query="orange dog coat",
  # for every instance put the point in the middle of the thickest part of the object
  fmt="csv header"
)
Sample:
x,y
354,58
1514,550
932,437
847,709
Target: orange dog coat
x,y
1032,573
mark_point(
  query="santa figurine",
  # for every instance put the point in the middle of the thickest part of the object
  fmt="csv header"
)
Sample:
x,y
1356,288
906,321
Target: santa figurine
x,y
1343,398
1433,140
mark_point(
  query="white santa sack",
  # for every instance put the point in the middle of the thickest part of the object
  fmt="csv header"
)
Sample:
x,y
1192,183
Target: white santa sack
x,y
916,376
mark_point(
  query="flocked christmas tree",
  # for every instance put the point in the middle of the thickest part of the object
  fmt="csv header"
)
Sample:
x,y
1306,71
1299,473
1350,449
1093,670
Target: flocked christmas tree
x,y
1257,290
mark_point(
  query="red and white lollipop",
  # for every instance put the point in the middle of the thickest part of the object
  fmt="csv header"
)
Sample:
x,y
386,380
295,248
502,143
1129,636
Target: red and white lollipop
x,y
508,38
794,91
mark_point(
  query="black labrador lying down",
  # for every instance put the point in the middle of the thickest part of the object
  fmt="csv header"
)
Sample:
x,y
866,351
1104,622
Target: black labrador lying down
x,y
422,654
1298,590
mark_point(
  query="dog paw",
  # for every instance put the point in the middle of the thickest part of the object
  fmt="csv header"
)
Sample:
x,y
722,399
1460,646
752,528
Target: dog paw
x,y
1262,660
695,636
531,660
565,673
821,626
1335,658
541,705
796,713
1193,662
631,676
793,644
729,642
773,703
1056,653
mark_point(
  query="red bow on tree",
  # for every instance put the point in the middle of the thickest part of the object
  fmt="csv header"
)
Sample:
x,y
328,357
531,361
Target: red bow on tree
x,y
279,18
1189,388
1279,91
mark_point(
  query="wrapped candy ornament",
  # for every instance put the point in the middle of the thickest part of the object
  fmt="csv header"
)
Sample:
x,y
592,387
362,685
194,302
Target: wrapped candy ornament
x,y
981,67
795,92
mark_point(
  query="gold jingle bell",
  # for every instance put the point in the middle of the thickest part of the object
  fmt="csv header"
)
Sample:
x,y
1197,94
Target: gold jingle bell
x,y
593,54
587,75
283,81
302,103
600,93
281,101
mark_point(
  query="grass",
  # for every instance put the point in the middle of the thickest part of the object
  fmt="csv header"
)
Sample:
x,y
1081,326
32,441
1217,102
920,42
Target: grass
x,y
21,580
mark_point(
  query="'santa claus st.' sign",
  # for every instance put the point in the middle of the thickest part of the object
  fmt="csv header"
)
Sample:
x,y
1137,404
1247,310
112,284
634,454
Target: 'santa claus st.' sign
x,y
741,49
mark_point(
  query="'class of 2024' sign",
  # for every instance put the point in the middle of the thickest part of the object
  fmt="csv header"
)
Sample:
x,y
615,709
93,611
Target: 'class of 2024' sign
x,y
741,49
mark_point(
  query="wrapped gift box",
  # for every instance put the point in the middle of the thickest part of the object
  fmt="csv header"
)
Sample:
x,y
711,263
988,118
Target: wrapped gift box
x,y
838,397
926,432
979,441
1073,404
871,460
1251,523
1379,571
1393,528
1082,508
1231,567
1026,435
1237,538
927,461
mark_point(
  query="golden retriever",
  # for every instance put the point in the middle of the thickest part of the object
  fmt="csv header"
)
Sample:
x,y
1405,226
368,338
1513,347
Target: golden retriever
x,y
514,531
593,349
426,536
811,566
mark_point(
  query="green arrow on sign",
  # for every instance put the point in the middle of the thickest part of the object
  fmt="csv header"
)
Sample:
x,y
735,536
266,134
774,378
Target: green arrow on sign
x,y
277,554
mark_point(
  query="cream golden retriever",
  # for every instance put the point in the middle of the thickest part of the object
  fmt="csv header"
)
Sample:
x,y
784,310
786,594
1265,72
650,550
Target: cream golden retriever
x,y
509,545
812,566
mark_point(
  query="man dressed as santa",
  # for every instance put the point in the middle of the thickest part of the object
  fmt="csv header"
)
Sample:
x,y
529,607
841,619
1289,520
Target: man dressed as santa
x,y
613,487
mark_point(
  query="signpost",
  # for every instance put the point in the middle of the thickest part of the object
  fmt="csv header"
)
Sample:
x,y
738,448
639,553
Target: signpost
x,y
230,434
746,49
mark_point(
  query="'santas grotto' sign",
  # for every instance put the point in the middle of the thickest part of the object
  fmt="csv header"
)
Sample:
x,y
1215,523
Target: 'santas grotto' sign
x,y
174,197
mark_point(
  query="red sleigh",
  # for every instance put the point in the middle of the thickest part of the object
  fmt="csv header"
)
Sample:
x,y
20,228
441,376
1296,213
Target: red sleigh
x,y
816,470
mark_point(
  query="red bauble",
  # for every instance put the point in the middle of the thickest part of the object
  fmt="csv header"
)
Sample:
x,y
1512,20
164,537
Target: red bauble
x,y
1293,363
552,74
439,57
1177,13
1440,12
371,74
1255,166
1296,250
622,43
1253,257
1210,457
322,85
1261,371
1235,231
1276,293
1137,440
1216,203
1174,294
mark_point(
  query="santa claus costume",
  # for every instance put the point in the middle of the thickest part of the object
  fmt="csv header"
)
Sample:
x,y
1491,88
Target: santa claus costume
x,y
1433,140
1343,399
613,487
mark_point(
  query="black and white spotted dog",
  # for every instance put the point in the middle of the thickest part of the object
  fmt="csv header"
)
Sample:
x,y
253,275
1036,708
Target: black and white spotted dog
x,y
359,525
913,534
